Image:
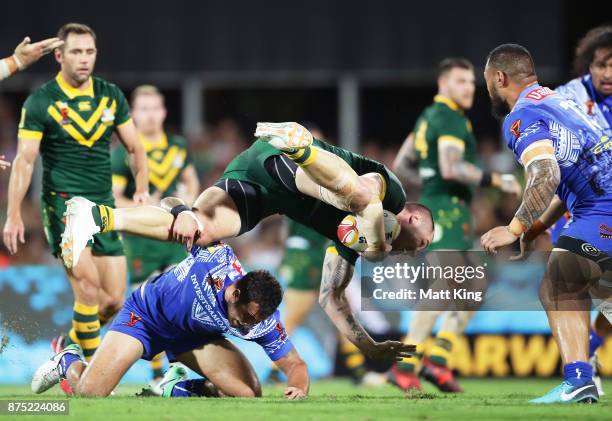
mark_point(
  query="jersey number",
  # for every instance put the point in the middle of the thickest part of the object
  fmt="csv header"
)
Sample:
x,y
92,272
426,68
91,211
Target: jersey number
x,y
420,141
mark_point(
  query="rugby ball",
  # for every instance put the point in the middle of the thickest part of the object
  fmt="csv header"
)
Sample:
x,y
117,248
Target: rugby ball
x,y
348,231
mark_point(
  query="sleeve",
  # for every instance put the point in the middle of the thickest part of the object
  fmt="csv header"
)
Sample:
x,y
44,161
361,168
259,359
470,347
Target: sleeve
x,y
275,343
184,144
122,113
119,166
522,130
32,121
450,128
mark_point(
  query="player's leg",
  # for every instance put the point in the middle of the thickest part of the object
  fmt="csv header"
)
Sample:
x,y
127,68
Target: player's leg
x,y
113,277
298,304
222,363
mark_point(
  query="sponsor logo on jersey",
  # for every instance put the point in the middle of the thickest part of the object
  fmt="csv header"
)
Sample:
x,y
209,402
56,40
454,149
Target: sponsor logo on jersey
x,y
589,249
134,318
84,106
281,331
216,282
605,232
540,93
515,129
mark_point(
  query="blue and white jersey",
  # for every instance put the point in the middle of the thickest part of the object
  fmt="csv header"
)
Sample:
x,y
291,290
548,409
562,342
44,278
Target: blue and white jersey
x,y
187,302
581,91
582,150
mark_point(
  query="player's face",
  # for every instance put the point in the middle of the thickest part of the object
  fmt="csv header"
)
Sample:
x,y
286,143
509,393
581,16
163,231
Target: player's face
x,y
459,85
149,113
243,316
77,57
499,106
415,233
601,71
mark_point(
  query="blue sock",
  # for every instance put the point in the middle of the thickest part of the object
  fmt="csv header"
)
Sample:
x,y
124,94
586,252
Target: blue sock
x,y
595,342
67,360
578,373
188,388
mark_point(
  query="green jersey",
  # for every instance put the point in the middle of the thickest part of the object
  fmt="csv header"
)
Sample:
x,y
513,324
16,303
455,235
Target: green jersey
x,y
74,128
166,158
443,121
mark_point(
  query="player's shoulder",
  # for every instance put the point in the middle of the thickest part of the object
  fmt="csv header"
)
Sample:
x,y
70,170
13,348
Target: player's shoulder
x,y
441,115
43,94
103,86
176,139
572,89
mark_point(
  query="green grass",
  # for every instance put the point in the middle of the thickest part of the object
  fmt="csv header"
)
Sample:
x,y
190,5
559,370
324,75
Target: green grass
x,y
336,400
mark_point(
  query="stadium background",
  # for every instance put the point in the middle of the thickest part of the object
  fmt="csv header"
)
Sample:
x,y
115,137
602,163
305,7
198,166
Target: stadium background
x,y
362,71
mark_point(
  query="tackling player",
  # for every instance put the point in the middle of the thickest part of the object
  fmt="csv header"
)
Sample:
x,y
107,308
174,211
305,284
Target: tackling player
x,y
186,312
69,121
171,173
285,172
443,147
562,151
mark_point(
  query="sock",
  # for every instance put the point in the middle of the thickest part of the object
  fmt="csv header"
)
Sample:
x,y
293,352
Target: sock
x,y
577,373
303,157
86,327
157,365
104,217
595,342
188,388
353,359
70,338
412,365
439,353
66,360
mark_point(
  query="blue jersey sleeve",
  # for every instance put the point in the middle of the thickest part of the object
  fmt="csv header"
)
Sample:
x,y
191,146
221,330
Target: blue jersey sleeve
x,y
275,342
522,128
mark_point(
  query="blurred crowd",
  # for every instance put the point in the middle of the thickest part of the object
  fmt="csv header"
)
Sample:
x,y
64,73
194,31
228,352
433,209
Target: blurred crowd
x,y
212,149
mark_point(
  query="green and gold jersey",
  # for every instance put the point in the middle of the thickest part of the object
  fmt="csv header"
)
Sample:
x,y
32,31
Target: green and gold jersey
x,y
167,158
442,121
74,128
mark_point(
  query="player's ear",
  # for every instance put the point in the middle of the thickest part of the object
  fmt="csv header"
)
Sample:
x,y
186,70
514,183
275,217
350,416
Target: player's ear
x,y
235,295
58,54
501,79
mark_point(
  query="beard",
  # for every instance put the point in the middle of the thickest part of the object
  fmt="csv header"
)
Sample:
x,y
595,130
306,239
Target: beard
x,y
499,106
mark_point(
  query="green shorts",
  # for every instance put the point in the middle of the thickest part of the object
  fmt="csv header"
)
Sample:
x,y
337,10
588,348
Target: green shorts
x,y
302,264
147,257
53,208
453,225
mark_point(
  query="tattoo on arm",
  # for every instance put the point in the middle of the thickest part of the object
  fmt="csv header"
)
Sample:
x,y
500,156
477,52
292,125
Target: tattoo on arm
x,y
454,167
337,274
543,177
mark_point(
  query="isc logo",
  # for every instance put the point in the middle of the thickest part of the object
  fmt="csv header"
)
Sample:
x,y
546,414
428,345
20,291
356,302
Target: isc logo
x,y
540,93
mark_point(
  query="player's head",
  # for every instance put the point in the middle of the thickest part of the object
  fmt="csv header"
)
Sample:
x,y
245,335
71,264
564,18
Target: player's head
x,y
78,54
148,109
509,69
417,228
252,299
594,56
456,81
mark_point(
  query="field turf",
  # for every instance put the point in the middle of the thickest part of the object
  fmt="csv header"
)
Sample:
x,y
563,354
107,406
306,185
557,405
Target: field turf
x,y
489,399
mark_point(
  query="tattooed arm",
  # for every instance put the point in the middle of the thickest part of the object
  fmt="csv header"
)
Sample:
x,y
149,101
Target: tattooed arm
x,y
454,167
337,273
406,163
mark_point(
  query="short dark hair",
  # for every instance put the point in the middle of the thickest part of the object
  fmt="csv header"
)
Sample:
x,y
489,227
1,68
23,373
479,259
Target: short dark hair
x,y
74,28
451,63
598,37
261,287
512,59
422,210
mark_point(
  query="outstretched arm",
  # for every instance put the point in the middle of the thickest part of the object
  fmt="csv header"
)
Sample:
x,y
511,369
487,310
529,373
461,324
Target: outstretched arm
x,y
296,371
337,273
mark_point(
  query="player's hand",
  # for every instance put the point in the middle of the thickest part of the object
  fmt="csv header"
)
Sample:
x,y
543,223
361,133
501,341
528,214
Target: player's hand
x,y
527,247
508,184
496,238
391,350
154,199
141,198
186,229
294,393
14,230
377,253
28,53
4,164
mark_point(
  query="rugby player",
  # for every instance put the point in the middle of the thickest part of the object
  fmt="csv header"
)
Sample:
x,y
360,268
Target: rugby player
x,y
284,171
443,147
27,53
564,151
69,121
185,312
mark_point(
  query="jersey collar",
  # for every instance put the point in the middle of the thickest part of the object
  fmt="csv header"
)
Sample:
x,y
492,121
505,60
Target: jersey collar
x,y
72,92
161,143
529,88
448,102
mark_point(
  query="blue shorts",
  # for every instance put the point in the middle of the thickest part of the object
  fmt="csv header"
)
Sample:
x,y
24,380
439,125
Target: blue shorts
x,y
134,320
594,228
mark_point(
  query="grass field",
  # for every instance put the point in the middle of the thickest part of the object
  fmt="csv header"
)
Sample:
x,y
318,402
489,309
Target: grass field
x,y
335,400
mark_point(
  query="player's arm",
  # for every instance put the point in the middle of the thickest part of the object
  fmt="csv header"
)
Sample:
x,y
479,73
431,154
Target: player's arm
x,y
406,162
337,273
27,53
4,164
543,177
454,167
129,137
21,176
296,371
121,200
189,178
